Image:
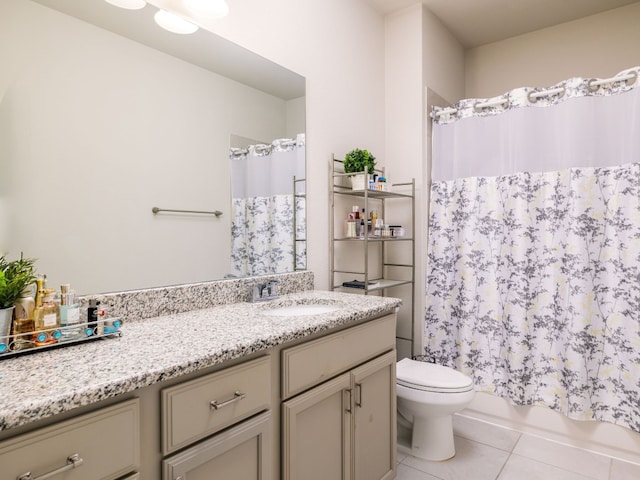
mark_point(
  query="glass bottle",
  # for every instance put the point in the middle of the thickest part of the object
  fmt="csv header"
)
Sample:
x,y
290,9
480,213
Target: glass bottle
x,y
69,314
46,316
23,325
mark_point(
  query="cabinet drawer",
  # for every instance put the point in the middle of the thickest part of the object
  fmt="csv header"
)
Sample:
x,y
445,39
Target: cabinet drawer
x,y
197,408
318,360
107,442
240,453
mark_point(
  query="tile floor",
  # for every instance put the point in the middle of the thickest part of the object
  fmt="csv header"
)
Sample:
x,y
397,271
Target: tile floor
x,y
489,452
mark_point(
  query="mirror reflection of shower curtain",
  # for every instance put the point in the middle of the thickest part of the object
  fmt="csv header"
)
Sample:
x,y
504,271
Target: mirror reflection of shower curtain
x,y
267,190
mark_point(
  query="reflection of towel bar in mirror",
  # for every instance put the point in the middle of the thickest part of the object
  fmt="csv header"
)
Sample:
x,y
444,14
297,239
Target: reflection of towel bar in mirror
x,y
155,210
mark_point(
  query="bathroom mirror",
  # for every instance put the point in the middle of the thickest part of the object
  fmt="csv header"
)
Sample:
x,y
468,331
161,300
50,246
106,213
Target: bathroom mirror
x,y
103,116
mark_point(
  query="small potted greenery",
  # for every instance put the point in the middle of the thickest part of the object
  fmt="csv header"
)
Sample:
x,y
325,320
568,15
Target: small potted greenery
x,y
359,161
15,276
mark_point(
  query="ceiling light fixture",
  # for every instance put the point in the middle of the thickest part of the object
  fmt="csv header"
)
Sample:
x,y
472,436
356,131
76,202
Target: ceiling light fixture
x,y
174,23
128,4
209,8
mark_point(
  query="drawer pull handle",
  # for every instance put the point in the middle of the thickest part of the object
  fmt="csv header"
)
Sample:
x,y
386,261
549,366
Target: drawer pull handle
x,y
73,461
215,405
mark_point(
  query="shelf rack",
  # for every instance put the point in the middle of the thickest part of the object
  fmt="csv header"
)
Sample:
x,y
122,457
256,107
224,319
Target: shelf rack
x,y
372,199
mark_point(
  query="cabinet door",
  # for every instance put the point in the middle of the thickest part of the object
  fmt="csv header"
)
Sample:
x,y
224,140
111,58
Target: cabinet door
x,y
316,430
240,453
374,439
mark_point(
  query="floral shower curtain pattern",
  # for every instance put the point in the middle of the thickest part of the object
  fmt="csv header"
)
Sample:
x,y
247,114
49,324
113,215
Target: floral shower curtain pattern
x,y
265,208
533,276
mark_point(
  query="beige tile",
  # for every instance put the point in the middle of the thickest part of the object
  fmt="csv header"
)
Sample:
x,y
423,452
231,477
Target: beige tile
x,y
573,459
492,435
520,468
624,470
473,460
408,473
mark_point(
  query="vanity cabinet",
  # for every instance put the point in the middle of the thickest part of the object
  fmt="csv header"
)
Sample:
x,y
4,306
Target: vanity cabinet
x,y
339,413
242,452
318,407
198,408
102,445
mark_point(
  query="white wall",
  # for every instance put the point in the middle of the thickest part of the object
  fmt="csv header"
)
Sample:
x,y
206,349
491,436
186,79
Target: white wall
x,y
410,35
73,166
596,46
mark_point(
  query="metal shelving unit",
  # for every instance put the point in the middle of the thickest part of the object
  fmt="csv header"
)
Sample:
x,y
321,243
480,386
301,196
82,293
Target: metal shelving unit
x,y
372,199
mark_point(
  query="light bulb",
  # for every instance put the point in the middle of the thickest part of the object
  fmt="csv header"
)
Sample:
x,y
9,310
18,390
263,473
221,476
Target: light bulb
x,y
209,8
174,23
128,4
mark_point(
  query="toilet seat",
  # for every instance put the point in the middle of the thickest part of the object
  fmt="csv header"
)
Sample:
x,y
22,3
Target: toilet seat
x,y
429,377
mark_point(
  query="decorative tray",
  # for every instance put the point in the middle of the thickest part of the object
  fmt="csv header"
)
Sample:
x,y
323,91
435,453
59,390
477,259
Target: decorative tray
x,y
59,337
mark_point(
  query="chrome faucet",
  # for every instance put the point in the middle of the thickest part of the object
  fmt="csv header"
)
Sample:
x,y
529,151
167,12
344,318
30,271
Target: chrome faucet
x,y
265,291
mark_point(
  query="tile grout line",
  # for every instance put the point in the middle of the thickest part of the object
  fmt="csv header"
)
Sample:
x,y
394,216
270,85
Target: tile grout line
x,y
503,465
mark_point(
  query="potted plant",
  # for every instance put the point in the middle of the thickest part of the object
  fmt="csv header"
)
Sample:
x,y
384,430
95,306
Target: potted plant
x,y
359,162
15,276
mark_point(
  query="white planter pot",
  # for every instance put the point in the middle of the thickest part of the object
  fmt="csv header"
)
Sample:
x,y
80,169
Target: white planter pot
x,y
357,181
6,316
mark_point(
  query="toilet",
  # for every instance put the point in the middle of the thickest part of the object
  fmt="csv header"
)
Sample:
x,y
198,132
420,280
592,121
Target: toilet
x,y
428,395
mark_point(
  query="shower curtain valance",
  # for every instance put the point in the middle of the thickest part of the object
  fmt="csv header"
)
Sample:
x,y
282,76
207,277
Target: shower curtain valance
x,y
565,129
538,97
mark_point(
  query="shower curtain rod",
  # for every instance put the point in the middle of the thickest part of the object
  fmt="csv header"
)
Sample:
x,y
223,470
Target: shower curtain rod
x,y
592,84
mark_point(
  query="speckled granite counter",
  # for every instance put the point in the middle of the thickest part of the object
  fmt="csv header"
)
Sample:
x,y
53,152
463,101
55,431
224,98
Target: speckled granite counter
x,y
37,386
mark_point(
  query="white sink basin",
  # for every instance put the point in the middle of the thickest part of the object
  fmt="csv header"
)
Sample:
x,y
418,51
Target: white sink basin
x,y
300,310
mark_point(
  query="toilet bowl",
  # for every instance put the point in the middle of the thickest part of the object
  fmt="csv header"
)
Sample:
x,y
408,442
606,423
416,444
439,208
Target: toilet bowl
x,y
428,396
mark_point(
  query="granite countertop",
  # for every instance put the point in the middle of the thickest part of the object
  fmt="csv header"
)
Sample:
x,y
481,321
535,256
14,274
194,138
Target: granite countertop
x,y
42,384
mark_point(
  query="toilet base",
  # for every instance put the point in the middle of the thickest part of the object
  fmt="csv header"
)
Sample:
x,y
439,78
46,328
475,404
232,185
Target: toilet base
x,y
432,438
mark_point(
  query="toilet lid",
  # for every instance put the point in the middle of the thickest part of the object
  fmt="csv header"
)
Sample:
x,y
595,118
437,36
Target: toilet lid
x,y
431,377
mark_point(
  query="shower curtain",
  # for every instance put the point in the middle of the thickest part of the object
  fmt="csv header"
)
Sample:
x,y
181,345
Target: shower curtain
x,y
533,269
265,205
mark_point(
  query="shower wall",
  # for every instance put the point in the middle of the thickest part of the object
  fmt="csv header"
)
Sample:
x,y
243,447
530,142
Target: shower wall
x,y
595,46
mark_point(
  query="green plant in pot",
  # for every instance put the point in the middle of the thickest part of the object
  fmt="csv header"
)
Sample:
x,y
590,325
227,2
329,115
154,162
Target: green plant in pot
x,y
359,161
15,276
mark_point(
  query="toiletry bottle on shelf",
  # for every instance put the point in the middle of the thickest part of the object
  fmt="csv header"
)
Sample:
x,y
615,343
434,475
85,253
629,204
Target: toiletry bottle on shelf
x,y
69,315
377,231
46,318
23,326
351,226
374,218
